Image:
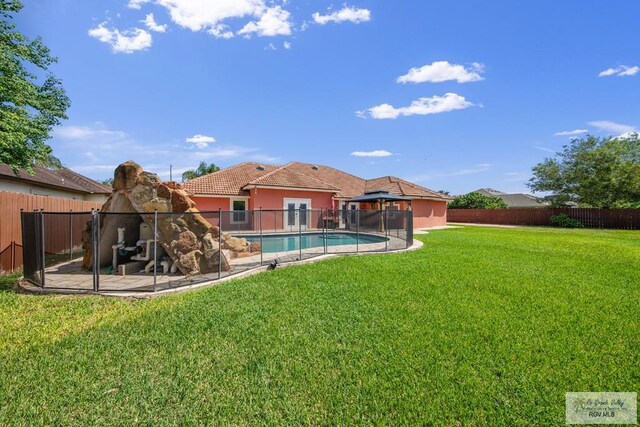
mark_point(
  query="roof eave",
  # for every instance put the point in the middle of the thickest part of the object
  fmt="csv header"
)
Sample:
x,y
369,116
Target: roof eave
x,y
282,187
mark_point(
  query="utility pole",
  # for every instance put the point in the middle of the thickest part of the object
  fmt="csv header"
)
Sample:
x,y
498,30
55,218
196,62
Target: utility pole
x,y
170,172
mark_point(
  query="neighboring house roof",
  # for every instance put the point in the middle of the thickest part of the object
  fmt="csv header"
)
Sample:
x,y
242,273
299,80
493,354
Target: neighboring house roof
x,y
62,179
236,180
489,192
520,200
515,200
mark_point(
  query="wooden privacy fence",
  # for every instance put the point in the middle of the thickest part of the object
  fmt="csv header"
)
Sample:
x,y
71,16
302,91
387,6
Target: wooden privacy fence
x,y
11,229
627,219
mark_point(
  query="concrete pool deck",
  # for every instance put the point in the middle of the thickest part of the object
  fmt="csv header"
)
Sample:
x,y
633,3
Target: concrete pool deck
x,y
70,278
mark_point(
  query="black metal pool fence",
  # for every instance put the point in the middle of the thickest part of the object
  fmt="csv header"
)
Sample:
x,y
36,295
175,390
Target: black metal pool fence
x,y
109,251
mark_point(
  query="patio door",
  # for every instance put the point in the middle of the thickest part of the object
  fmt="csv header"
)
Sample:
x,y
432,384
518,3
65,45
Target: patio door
x,y
296,214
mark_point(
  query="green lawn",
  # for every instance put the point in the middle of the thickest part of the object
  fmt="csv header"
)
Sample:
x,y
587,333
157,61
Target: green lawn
x,y
483,326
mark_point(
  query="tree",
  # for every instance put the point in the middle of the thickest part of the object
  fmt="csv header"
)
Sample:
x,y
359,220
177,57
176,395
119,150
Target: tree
x,y
107,181
51,162
28,109
477,201
202,169
593,172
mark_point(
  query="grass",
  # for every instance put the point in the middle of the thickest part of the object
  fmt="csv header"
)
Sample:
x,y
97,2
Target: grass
x,y
483,326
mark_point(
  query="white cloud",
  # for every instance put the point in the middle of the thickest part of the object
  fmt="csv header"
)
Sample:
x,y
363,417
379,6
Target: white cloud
x,y
270,46
613,127
286,45
127,41
274,22
421,106
87,132
621,71
198,15
201,141
136,4
541,148
346,14
442,71
96,150
374,153
574,132
151,24
220,31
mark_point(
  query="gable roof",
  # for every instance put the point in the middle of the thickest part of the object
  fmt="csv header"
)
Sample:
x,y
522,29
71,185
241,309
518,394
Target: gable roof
x,y
285,176
348,185
520,200
229,181
64,179
403,187
236,180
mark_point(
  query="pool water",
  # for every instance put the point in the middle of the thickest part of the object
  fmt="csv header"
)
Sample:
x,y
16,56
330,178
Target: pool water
x,y
291,242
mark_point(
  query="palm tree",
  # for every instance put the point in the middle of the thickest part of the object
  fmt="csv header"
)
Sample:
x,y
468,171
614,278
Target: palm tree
x,y
202,169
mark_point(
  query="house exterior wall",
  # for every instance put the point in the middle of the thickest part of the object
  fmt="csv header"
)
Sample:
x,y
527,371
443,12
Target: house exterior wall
x,y
267,198
28,188
426,213
429,213
204,203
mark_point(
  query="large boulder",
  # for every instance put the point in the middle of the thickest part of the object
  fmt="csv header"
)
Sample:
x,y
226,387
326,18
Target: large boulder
x,y
235,244
183,233
126,175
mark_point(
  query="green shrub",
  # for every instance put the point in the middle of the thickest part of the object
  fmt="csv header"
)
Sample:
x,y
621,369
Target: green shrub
x,y
563,220
477,201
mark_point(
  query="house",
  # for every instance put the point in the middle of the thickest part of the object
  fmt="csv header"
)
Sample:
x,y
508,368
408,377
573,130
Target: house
x,y
296,185
63,183
515,200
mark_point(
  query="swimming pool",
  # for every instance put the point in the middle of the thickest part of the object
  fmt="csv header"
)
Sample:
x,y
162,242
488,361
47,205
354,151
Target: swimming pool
x,y
291,242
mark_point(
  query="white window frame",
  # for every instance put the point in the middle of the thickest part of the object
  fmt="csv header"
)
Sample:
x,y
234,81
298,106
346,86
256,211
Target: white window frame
x,y
245,200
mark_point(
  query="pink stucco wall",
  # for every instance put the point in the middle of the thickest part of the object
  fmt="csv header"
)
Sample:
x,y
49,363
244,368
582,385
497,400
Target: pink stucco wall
x,y
273,199
266,199
429,213
426,213
211,203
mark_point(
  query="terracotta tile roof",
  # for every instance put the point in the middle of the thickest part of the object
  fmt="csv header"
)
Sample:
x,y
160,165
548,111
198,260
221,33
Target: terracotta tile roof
x,y
348,185
229,181
285,176
232,180
64,179
405,188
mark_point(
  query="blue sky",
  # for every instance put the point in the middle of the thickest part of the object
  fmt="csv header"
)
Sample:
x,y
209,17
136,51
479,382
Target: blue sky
x,y
453,95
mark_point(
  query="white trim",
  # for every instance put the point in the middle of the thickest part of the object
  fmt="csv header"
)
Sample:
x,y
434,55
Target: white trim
x,y
275,187
220,196
411,197
233,211
296,200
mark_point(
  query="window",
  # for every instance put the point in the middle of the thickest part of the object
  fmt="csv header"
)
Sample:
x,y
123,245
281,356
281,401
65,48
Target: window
x,y
239,215
291,217
303,214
